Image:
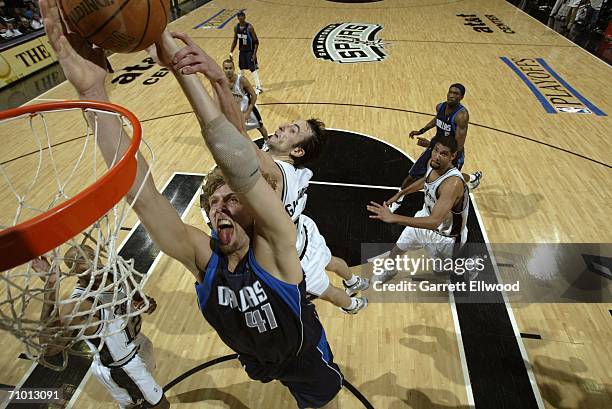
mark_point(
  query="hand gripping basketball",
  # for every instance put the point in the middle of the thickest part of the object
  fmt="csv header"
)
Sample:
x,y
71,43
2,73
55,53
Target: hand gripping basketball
x,y
122,27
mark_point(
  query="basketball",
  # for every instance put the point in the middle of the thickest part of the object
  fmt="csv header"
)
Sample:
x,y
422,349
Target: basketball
x,y
120,26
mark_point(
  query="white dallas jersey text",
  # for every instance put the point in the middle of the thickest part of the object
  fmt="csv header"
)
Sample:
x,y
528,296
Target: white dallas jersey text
x,y
455,222
119,347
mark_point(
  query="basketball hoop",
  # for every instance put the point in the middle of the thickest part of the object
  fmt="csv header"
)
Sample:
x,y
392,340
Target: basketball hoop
x,y
45,224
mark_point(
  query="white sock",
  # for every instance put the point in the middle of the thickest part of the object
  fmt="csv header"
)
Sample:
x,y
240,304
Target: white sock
x,y
472,177
353,304
256,77
352,280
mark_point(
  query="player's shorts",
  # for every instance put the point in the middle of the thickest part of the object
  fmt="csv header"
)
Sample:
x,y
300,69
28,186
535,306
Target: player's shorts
x,y
245,61
314,256
419,169
435,244
312,377
132,383
254,120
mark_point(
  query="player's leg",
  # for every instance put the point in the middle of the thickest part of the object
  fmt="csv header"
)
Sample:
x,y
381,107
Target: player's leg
x,y
262,129
352,283
135,378
472,179
102,374
243,63
314,379
254,68
410,239
416,172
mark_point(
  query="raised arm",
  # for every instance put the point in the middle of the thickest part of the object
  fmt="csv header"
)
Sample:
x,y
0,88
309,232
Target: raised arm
x,y
414,187
448,193
427,127
192,59
86,71
236,156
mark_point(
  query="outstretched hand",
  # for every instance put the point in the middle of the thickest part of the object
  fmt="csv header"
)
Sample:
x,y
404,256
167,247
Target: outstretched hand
x,y
41,266
381,212
189,59
139,303
424,142
84,64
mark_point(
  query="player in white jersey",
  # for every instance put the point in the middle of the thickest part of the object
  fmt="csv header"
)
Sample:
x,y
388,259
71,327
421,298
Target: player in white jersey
x,y
441,226
246,97
125,362
315,256
294,145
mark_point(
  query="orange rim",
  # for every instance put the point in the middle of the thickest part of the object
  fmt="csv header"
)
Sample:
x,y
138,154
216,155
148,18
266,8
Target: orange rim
x,y
32,238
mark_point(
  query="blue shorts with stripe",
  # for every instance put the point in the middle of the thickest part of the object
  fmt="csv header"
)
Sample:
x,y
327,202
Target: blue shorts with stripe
x,y
246,61
312,377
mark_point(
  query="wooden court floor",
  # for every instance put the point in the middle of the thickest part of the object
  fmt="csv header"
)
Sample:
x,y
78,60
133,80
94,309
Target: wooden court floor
x,y
546,180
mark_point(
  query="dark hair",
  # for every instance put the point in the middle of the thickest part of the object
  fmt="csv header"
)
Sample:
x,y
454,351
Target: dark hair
x,y
312,145
229,61
449,142
240,13
460,87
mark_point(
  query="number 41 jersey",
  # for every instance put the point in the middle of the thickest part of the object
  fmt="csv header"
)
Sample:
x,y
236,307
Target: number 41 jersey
x,y
257,315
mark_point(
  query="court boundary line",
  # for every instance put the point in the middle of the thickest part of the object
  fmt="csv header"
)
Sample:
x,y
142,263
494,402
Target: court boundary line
x,y
432,115
509,310
461,347
314,182
579,155
391,41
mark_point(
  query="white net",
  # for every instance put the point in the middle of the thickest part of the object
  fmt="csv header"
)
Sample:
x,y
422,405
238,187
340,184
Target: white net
x,y
83,289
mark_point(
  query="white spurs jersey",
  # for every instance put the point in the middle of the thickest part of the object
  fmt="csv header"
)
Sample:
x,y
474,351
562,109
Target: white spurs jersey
x,y
295,184
241,96
120,347
455,222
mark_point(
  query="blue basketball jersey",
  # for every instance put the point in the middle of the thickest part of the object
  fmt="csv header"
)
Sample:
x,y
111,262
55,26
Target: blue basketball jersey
x,y
262,318
445,124
245,39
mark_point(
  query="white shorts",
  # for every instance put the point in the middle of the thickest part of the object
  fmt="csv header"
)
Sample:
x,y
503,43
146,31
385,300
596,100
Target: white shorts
x,y
314,255
132,384
435,244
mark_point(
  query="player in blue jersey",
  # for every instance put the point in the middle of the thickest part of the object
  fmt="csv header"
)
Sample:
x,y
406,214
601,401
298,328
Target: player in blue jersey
x,y
451,120
248,44
249,282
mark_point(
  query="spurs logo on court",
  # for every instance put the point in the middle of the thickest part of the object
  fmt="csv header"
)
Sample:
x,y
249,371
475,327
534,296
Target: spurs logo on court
x,y
349,43
552,91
